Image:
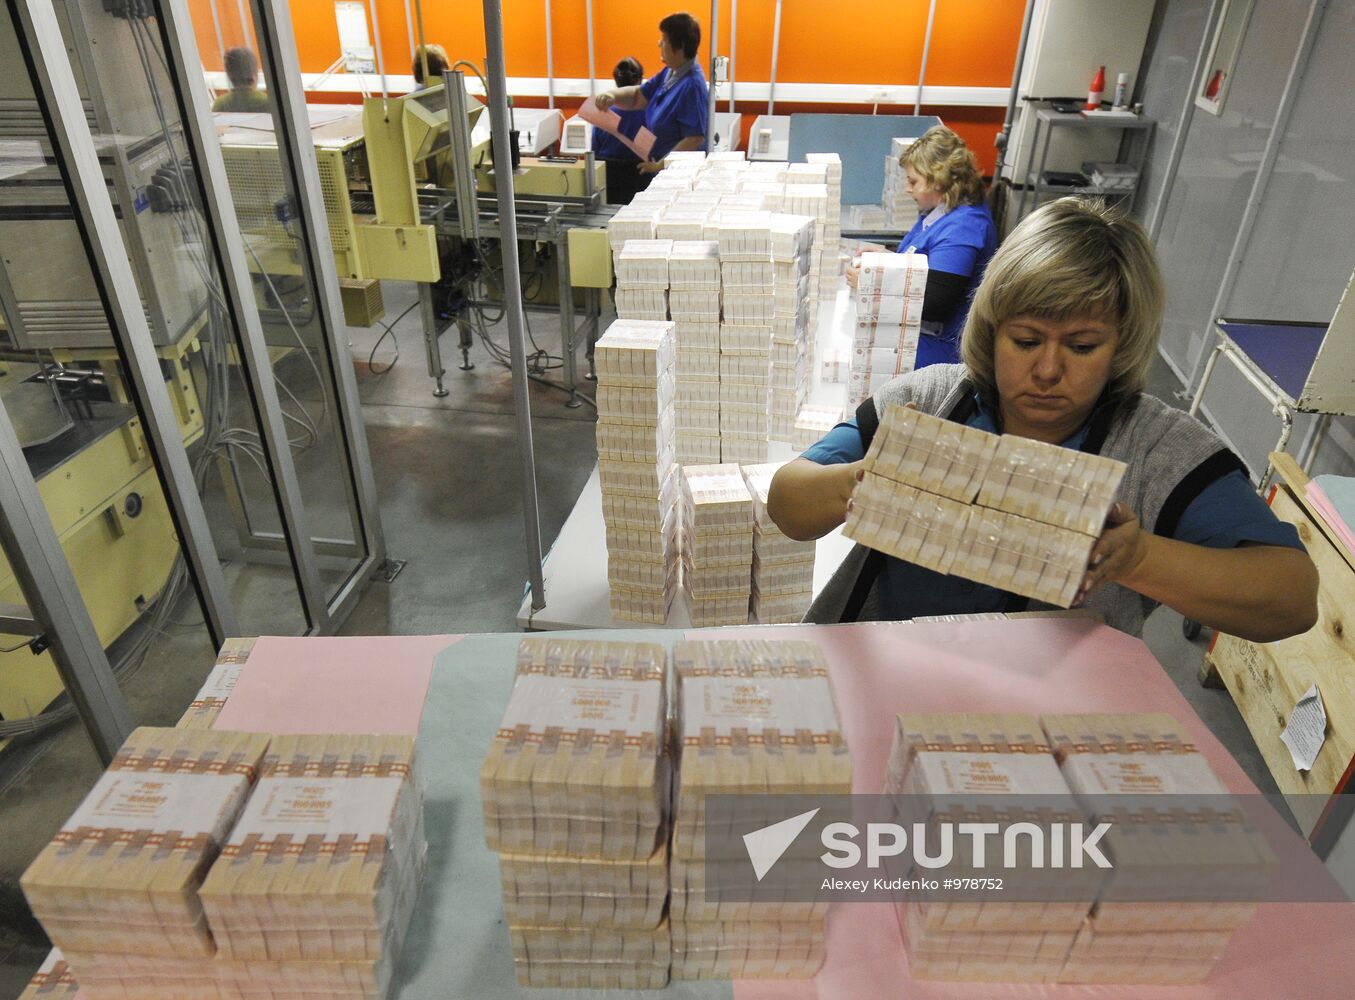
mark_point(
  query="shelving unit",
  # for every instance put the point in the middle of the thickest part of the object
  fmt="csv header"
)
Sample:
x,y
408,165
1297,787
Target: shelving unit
x,y
1035,183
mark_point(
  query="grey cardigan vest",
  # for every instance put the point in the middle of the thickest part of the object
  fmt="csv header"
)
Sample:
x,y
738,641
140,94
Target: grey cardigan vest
x,y
1170,456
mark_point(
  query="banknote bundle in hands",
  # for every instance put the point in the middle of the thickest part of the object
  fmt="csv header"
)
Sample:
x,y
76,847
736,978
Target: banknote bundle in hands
x,y
1005,511
755,717
635,436
575,791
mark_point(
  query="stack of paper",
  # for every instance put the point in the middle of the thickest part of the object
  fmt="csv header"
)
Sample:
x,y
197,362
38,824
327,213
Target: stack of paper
x,y
888,301
829,262
683,223
642,280
717,544
694,303
812,422
941,769
783,569
754,717
220,682
123,873
1193,862
899,207
632,222
634,361
575,791
792,238
54,980
745,334
836,366
347,814
1009,512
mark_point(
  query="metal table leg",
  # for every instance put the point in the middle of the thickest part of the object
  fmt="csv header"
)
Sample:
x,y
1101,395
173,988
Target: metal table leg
x,y
571,374
428,315
467,339
1204,379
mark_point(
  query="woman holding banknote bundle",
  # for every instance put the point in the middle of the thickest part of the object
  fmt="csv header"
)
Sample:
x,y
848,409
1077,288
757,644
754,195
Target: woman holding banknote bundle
x,y
676,100
954,229
1056,348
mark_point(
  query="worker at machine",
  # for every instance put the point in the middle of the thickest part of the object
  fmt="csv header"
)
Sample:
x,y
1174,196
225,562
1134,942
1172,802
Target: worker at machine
x,y
623,165
1057,348
242,70
956,232
676,100
436,59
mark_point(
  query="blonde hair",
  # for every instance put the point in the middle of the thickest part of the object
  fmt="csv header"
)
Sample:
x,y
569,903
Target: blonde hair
x,y
1074,257
947,165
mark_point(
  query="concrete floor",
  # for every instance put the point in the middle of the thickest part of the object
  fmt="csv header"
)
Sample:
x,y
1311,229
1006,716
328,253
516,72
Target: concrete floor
x,y
448,482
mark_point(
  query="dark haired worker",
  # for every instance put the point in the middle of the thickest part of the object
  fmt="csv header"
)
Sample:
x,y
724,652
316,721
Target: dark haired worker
x,y
676,99
623,165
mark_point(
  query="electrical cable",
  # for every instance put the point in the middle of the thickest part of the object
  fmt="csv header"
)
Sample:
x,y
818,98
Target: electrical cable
x,y
390,332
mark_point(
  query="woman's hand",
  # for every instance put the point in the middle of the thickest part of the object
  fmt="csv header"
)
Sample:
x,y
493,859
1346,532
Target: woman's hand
x,y
1117,553
604,100
650,167
853,272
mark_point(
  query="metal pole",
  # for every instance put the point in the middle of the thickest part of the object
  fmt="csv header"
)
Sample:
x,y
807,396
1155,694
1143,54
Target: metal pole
x,y
244,21
1005,134
714,48
423,49
1263,172
380,59
409,29
512,288
776,48
550,61
60,104
216,26
1187,116
44,576
733,47
592,70
926,50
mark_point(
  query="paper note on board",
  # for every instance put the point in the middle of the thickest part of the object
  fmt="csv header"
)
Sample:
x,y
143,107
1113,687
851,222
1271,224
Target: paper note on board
x,y
1307,729
609,121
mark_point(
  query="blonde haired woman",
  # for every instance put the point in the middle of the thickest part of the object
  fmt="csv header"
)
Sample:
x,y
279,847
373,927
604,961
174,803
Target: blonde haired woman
x,y
1057,348
956,232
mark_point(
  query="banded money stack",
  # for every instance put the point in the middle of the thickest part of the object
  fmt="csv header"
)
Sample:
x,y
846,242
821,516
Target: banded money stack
x,y
783,569
899,207
54,980
888,301
575,798
746,272
1009,512
220,682
946,769
642,279
829,264
634,361
717,544
123,873
1189,862
792,347
694,302
754,717
812,422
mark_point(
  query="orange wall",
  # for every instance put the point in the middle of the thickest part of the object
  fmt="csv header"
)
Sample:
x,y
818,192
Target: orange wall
x,y
880,42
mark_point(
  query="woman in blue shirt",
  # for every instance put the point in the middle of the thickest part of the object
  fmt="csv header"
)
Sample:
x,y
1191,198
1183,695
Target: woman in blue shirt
x,y
956,232
623,166
1057,348
676,100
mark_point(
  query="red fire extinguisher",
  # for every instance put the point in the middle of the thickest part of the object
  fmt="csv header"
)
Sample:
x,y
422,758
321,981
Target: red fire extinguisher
x,y
1098,88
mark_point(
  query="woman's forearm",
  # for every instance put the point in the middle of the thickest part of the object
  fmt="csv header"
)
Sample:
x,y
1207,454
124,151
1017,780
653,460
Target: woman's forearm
x,y
628,98
1262,593
808,500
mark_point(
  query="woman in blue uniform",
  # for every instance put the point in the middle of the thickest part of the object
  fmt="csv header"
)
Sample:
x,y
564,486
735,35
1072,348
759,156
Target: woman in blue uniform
x,y
1057,348
676,100
623,166
956,232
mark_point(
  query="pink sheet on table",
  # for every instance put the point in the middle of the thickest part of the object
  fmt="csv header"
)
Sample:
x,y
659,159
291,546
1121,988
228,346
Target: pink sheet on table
x,y
1035,666
334,684
1317,496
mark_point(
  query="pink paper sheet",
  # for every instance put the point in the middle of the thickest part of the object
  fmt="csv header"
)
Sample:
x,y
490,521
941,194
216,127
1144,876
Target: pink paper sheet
x,y
1319,499
1035,666
609,121
343,684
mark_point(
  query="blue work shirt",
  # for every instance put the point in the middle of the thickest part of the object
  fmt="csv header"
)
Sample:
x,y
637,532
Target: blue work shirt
x,y
1225,514
676,112
608,147
960,241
